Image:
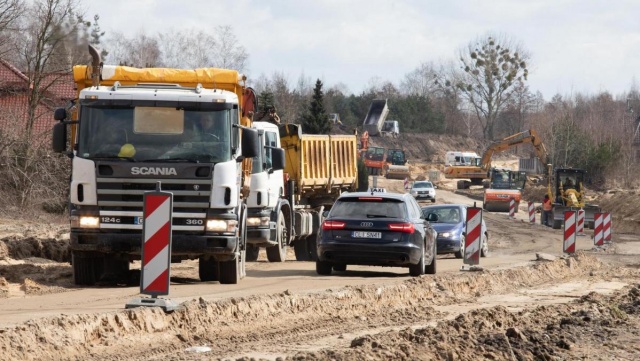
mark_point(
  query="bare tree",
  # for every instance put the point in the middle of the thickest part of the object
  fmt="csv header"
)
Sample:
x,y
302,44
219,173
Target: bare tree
x,y
142,50
491,67
421,81
229,54
10,12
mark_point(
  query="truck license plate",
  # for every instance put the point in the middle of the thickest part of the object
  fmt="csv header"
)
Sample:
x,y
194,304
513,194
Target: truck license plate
x,y
367,234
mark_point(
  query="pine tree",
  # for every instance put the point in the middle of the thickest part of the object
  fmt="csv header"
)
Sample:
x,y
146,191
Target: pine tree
x,y
265,100
316,120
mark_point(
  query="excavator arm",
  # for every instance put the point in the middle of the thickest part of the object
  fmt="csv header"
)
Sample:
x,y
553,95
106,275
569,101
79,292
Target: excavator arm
x,y
529,136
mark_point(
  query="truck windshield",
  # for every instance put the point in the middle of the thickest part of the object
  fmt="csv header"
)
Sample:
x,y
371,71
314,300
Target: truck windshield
x,y
155,134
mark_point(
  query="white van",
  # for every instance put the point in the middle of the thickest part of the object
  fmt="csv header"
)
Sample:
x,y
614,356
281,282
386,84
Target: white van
x,y
461,158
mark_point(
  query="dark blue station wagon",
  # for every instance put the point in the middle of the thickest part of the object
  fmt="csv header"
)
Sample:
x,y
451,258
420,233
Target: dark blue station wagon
x,y
376,229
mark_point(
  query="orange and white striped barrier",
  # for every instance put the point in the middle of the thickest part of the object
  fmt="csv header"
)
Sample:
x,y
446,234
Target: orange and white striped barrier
x,y
512,208
606,227
569,244
156,250
473,236
532,212
580,223
598,239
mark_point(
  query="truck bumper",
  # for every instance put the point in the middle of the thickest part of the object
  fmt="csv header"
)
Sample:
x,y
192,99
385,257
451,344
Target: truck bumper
x,y
131,243
262,236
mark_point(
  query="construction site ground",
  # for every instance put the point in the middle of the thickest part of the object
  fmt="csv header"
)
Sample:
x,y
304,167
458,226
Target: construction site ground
x,y
529,301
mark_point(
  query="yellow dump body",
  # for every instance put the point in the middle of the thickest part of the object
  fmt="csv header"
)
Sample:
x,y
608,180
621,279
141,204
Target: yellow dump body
x,y
320,165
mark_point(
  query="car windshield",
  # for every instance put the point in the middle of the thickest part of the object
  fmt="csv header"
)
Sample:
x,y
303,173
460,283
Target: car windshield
x,y
422,185
352,207
445,214
155,134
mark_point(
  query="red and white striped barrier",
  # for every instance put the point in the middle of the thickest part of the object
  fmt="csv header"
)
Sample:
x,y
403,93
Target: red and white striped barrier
x,y
156,250
532,212
598,239
512,208
580,223
569,244
473,238
606,227
406,184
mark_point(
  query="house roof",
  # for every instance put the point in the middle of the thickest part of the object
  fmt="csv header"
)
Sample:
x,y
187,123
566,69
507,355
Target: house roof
x,y
60,86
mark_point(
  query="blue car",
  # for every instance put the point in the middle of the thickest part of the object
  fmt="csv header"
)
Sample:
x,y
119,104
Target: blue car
x,y
450,223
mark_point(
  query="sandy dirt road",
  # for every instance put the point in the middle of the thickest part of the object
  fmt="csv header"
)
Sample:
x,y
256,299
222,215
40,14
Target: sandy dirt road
x,y
287,311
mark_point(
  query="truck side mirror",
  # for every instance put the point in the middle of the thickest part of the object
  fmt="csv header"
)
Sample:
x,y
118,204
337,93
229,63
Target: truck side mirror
x,y
59,137
60,114
277,158
250,143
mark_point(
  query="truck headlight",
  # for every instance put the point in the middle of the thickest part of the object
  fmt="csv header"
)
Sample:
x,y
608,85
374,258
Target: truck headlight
x,y
221,225
257,221
85,222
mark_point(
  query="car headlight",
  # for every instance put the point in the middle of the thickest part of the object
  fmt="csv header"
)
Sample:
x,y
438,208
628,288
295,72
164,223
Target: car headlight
x,y
413,193
85,222
257,221
446,234
221,225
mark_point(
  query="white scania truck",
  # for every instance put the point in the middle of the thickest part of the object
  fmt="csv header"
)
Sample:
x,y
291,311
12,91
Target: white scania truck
x,y
132,128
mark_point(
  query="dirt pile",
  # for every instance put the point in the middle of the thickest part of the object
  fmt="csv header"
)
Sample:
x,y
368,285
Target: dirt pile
x,y
578,330
230,323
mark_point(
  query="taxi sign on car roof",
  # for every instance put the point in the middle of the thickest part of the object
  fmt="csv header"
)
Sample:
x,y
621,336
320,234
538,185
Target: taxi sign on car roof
x,y
377,190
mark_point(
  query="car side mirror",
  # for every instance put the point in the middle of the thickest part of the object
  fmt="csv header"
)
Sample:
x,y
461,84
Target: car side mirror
x,y
432,217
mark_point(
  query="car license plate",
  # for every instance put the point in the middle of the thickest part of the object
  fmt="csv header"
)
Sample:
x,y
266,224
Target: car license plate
x,y
367,235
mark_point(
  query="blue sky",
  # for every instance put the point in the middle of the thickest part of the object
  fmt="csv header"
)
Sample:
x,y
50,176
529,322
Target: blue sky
x,y
576,46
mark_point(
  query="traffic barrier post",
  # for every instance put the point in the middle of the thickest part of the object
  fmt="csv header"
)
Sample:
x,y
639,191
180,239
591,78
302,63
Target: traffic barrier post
x,y
532,212
155,268
473,238
606,227
580,223
598,239
406,184
569,244
512,208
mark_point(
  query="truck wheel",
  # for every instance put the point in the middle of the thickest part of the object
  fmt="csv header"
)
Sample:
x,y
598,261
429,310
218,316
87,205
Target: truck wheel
x,y
323,268
302,250
252,252
230,271
557,224
208,269
278,253
85,268
416,270
313,249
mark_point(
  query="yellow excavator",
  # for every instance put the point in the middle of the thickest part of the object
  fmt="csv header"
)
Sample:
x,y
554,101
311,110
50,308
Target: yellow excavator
x,y
569,195
479,170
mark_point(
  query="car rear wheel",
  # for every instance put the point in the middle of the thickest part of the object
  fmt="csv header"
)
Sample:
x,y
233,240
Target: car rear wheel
x,y
323,268
416,270
460,253
431,268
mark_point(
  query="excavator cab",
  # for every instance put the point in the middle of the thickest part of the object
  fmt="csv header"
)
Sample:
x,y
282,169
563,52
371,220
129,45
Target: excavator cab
x,y
569,187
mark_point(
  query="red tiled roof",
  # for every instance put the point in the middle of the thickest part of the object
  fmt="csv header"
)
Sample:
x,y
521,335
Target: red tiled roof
x,y
14,86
